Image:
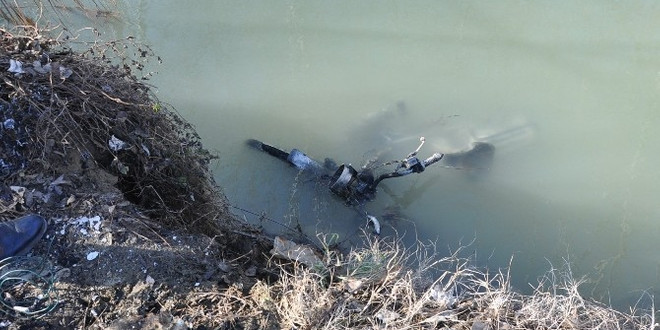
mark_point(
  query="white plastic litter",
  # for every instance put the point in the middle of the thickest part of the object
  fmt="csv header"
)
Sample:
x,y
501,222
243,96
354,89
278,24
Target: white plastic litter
x,y
116,144
375,223
286,249
92,255
65,72
93,223
15,66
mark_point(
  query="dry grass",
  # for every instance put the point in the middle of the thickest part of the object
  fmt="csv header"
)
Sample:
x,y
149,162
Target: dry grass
x,y
384,286
557,304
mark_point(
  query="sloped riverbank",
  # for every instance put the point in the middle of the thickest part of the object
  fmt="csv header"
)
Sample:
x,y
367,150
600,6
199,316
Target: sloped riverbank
x,y
141,237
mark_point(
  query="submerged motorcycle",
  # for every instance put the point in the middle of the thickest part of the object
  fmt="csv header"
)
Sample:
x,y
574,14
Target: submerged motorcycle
x,y
356,187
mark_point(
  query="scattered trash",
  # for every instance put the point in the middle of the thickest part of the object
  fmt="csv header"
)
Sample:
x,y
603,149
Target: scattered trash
x,y
60,180
14,137
18,195
371,219
15,66
36,65
49,126
442,297
385,316
20,191
92,255
251,272
352,285
224,266
9,123
21,309
85,223
116,144
123,169
28,287
145,149
65,72
286,249
444,316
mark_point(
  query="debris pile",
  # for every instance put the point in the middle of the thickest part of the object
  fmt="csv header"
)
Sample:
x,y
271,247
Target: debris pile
x,y
88,109
125,186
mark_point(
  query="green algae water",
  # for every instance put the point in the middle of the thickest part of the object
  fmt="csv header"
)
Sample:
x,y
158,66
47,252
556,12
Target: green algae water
x,y
568,92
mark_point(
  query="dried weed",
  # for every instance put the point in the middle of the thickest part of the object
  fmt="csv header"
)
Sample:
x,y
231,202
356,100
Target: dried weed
x,y
385,286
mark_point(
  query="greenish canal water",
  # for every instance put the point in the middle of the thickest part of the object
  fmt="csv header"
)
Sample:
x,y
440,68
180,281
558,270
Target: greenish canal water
x,y
575,86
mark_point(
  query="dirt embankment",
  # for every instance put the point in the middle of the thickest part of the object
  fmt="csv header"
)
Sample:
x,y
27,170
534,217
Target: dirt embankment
x,y
138,231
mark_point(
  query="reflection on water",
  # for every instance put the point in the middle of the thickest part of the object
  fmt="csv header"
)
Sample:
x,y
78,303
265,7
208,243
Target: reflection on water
x,y
567,93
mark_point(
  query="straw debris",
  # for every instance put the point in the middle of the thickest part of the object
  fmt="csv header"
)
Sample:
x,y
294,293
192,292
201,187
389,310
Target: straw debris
x,y
395,292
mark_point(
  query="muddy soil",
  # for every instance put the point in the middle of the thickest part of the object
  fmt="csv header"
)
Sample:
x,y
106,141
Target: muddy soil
x,y
115,268
139,236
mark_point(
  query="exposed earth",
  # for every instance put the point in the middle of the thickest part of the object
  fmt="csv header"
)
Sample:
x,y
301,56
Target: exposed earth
x,y
138,234
140,275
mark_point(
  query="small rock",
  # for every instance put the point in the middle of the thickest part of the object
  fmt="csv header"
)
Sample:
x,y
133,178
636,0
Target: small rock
x,y
62,273
286,249
478,325
65,72
251,272
352,285
385,316
225,279
442,297
92,255
179,324
116,144
224,266
9,123
15,66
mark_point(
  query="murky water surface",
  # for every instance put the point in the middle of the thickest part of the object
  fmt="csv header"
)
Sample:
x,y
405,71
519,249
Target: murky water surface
x,y
571,88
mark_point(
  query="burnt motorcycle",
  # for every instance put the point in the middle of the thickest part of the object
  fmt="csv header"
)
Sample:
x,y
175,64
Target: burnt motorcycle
x,y
356,187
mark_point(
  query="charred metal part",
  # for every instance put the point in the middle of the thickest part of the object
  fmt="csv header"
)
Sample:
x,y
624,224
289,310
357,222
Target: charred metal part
x,y
355,187
375,223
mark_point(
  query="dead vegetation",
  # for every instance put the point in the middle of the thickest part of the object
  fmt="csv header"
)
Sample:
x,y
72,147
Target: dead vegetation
x,y
59,106
121,177
383,286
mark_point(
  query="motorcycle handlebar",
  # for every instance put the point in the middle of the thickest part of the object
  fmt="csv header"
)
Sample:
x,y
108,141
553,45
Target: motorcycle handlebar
x,y
433,159
401,171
